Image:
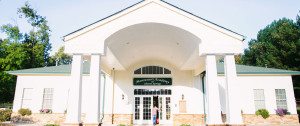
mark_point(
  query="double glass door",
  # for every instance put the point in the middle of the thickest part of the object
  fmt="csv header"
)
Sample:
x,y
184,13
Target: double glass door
x,y
143,109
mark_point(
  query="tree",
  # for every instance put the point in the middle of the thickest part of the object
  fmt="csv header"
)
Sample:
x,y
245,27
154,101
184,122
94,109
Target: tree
x,y
37,40
60,58
22,50
298,19
277,46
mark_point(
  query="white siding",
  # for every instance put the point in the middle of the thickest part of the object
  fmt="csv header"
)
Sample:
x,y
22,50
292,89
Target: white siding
x,y
183,83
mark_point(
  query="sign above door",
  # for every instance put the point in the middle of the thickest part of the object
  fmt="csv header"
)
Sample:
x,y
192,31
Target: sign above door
x,y
152,81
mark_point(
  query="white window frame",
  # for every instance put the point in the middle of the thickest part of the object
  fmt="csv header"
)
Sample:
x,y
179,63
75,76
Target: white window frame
x,y
25,99
50,98
259,101
281,98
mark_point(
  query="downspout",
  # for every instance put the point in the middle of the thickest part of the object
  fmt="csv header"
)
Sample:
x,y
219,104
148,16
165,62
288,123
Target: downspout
x,y
203,90
113,97
104,77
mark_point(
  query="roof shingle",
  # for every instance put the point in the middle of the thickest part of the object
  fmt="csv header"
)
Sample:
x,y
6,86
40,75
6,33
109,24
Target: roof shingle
x,y
66,69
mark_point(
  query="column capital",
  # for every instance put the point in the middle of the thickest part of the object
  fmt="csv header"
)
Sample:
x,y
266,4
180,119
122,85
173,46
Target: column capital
x,y
77,54
96,54
218,54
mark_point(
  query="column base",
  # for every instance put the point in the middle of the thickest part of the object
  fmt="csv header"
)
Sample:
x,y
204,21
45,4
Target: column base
x,y
235,125
91,124
225,125
215,124
72,124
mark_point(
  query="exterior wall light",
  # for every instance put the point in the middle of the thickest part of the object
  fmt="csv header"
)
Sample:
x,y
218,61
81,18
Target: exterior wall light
x,y
123,97
182,97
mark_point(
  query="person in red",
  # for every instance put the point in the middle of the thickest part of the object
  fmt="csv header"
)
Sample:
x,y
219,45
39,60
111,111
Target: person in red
x,y
154,114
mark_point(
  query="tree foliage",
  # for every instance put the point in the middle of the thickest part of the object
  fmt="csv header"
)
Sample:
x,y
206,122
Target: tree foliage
x,y
60,58
22,50
276,46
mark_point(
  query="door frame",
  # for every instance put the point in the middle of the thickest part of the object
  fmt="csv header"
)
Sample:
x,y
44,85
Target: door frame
x,y
149,122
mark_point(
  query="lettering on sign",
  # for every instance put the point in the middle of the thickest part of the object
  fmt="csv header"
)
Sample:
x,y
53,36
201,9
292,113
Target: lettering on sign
x,y
152,81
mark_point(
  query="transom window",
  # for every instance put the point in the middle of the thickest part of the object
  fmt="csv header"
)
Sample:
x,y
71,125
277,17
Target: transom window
x,y
152,92
152,70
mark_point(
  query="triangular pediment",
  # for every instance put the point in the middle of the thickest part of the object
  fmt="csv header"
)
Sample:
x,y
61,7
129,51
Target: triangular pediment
x,y
144,3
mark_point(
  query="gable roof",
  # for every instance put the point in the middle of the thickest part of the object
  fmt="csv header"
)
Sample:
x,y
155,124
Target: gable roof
x,y
244,69
66,70
138,3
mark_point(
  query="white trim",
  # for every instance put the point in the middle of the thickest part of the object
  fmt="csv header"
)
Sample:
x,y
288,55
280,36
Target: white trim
x,y
142,4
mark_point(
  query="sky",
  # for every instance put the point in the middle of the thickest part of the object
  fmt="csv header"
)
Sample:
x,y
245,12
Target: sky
x,y
246,17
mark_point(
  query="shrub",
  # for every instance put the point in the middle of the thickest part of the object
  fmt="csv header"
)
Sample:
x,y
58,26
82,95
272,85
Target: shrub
x,y
185,125
281,111
24,112
263,112
46,111
121,125
6,105
51,125
5,115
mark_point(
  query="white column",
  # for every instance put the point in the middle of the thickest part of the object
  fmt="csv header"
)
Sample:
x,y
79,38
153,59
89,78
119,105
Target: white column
x,y
74,103
93,110
233,106
212,91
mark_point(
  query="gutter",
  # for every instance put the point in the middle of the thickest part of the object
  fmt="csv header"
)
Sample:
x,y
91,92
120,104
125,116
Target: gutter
x,y
101,121
202,75
113,97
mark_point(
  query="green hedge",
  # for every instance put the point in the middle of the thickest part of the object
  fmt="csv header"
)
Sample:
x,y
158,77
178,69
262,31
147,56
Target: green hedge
x,y
5,115
51,125
6,105
185,125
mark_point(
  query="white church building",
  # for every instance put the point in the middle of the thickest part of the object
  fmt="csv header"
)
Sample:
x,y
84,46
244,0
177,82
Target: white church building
x,y
155,54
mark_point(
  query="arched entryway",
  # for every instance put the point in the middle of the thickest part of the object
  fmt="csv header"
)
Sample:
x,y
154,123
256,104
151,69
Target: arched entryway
x,y
154,30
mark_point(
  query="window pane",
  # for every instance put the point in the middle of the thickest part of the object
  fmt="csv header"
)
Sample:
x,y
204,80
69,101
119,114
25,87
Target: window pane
x,y
152,70
281,98
27,93
147,108
138,71
166,71
137,108
259,99
26,97
144,70
48,98
168,108
160,70
155,70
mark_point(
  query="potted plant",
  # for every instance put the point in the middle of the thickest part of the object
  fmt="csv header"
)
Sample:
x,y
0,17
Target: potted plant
x,y
281,111
46,111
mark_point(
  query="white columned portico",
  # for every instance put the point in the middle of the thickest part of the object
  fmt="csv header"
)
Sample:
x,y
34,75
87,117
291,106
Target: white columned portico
x,y
74,101
233,107
93,110
212,90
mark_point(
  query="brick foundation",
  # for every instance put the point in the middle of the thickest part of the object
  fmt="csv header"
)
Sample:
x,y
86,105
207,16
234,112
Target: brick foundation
x,y
38,118
126,119
192,119
178,119
272,120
